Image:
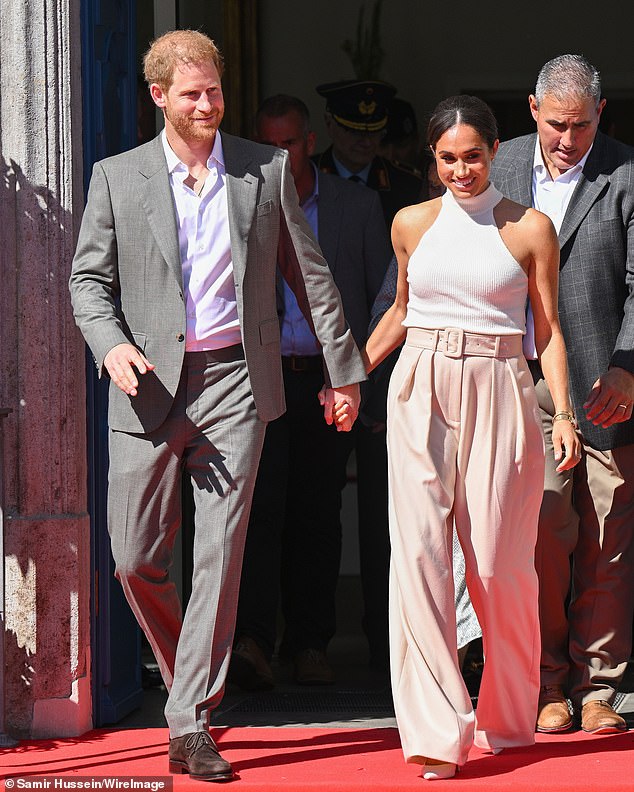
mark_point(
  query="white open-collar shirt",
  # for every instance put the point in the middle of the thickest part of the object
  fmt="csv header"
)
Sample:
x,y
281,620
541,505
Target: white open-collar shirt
x,y
205,251
550,196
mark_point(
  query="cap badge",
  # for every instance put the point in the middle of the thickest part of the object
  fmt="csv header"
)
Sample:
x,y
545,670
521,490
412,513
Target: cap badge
x,y
367,108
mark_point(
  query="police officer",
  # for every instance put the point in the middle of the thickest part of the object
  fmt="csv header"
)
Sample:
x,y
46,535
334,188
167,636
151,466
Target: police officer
x,y
356,119
401,144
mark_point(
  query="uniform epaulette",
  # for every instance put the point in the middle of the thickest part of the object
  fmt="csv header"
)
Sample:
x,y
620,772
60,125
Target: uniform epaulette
x,y
405,166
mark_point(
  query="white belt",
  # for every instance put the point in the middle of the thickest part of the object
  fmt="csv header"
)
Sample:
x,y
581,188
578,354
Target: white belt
x,y
454,342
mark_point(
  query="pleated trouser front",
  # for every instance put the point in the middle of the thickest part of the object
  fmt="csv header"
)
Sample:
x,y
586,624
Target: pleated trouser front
x,y
465,446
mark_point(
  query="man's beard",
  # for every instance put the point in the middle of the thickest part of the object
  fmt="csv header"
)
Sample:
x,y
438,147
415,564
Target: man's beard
x,y
188,129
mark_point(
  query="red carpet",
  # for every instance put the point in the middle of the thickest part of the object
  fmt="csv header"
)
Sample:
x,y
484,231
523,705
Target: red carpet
x,y
337,760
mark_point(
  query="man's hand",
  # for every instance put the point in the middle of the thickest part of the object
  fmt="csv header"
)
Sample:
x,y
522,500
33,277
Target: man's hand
x,y
341,405
611,398
119,362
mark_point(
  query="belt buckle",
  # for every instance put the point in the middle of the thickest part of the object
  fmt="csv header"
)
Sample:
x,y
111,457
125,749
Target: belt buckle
x,y
454,342
297,363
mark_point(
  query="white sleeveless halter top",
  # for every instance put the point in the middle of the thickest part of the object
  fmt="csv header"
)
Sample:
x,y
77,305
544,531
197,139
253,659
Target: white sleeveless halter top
x,y
461,273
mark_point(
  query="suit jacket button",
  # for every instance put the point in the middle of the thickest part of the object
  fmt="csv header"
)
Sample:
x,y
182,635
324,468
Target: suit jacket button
x,y
180,337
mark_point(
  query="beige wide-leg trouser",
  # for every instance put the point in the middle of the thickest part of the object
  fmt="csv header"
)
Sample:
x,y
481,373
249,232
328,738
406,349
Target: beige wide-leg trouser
x,y
465,446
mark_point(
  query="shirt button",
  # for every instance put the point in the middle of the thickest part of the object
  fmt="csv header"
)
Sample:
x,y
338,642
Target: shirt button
x,y
180,337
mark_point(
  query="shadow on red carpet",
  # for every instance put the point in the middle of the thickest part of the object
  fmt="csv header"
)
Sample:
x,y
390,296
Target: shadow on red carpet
x,y
299,759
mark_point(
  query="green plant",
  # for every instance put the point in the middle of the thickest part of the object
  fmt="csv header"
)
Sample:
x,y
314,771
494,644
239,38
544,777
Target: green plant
x,y
366,52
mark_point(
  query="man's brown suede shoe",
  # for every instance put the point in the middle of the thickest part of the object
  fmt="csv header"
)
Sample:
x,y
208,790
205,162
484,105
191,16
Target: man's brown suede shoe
x,y
553,713
599,717
197,754
312,668
249,668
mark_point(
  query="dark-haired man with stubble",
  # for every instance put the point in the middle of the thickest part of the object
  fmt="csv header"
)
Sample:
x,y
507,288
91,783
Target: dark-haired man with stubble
x,y
584,181
174,288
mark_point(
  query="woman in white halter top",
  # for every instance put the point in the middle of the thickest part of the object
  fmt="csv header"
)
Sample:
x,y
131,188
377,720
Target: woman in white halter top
x,y
465,445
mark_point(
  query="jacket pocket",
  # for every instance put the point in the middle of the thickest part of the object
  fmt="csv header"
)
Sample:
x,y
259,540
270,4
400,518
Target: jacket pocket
x,y
264,208
140,340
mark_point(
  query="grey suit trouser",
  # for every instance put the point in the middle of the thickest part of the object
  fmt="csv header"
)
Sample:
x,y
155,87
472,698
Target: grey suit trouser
x,y
213,434
587,514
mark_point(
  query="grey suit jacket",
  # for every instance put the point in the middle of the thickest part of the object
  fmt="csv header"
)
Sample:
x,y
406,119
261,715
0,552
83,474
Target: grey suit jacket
x,y
126,281
596,280
354,241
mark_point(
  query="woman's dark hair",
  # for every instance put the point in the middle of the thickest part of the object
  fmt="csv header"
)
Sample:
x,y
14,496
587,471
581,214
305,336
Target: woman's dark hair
x,y
462,109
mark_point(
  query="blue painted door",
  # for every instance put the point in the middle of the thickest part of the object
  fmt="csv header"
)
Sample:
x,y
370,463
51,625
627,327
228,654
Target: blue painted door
x,y
109,116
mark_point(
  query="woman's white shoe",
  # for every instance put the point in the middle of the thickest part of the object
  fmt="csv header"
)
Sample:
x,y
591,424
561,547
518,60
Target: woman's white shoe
x,y
436,772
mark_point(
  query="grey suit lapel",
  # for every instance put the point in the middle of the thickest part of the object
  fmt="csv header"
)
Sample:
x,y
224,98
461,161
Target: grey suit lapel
x,y
525,188
329,219
156,199
519,175
242,193
586,193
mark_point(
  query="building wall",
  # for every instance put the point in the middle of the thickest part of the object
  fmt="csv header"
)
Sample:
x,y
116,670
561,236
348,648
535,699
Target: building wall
x,y
46,536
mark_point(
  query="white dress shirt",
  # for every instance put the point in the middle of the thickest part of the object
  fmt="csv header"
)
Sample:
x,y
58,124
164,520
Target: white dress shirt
x,y
550,196
205,251
297,338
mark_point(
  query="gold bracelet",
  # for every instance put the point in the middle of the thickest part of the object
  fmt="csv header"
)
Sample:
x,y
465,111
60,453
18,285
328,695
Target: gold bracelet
x,y
565,415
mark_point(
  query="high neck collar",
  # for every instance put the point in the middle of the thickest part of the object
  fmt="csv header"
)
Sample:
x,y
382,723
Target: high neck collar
x,y
477,204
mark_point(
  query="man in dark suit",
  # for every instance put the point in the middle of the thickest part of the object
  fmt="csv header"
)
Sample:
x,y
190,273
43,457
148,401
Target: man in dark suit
x,y
356,119
174,288
295,525
585,182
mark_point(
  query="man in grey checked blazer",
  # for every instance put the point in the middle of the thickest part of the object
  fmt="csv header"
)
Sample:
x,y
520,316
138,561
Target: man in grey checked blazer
x,y
174,288
585,182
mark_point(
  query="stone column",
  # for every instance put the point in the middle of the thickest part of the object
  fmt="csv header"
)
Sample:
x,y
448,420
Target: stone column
x,y
47,544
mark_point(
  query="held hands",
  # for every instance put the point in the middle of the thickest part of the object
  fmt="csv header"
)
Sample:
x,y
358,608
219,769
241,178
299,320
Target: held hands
x,y
611,398
119,362
341,405
566,443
